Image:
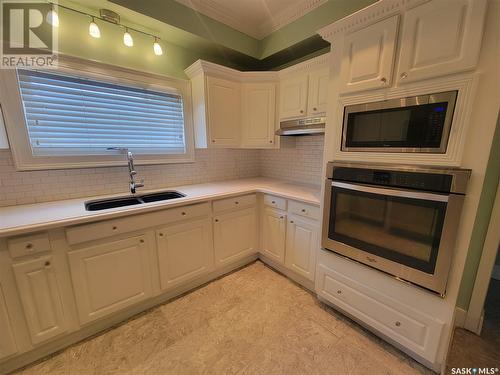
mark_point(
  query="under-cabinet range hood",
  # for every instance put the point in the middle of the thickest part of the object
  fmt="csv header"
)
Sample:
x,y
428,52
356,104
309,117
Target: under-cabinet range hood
x,y
302,126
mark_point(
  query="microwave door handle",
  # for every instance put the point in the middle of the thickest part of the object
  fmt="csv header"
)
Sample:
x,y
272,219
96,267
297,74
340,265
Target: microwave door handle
x,y
392,192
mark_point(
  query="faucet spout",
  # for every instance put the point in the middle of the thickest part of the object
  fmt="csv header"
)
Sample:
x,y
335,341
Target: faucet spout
x,y
131,168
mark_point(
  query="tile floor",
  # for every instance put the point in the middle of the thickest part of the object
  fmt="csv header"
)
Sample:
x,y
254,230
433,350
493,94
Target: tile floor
x,y
253,321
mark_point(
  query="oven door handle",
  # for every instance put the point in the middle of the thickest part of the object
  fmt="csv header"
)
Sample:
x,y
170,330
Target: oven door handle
x,y
392,192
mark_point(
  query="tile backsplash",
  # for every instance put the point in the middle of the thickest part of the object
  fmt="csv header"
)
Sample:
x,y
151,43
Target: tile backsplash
x,y
300,163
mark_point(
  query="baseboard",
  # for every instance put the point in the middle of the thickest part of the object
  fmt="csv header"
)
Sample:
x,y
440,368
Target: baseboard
x,y
496,272
460,316
100,326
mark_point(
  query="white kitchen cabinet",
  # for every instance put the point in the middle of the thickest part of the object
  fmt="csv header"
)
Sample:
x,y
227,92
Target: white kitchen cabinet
x,y
7,342
185,251
110,276
440,37
293,96
318,92
40,295
258,115
273,234
223,112
235,235
368,57
301,243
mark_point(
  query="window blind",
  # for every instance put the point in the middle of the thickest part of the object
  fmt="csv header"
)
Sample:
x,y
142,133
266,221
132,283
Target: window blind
x,y
74,116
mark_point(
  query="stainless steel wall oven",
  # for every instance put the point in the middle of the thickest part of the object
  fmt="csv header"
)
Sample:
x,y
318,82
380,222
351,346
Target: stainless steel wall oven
x,y
400,220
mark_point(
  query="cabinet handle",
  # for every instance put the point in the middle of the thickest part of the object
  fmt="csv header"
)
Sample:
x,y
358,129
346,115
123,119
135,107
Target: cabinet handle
x,y
404,75
339,291
29,246
47,264
383,80
397,324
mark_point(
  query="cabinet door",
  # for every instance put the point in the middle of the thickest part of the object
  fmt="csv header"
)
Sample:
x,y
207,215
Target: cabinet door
x,y
185,251
293,97
301,243
110,276
7,342
440,37
41,298
258,114
368,57
223,112
235,235
273,235
318,92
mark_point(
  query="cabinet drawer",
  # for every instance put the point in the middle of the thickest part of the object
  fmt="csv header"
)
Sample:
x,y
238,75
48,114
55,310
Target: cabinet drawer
x,y
304,209
103,229
275,202
27,245
411,328
235,202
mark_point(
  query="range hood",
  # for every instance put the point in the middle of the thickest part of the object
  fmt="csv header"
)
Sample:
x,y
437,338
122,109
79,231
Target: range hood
x,y
302,126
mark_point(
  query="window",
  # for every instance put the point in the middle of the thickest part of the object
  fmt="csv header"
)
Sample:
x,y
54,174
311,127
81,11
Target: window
x,y
72,118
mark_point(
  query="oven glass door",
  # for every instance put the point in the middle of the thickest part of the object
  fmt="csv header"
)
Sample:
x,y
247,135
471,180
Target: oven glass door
x,y
399,225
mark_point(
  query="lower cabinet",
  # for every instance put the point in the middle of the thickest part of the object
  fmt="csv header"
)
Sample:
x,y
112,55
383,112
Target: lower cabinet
x,y
301,243
235,235
7,342
41,298
185,251
111,276
273,234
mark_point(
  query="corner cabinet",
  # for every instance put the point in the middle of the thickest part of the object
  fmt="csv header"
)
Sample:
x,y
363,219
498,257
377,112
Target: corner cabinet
x,y
368,57
40,294
258,103
111,276
439,38
185,251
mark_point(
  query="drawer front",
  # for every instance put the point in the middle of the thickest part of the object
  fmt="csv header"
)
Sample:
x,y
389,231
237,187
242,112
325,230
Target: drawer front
x,y
413,329
89,232
303,209
27,245
275,202
235,202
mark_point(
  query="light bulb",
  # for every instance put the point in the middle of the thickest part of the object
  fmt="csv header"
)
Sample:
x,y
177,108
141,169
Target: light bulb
x,y
127,39
157,48
94,31
53,18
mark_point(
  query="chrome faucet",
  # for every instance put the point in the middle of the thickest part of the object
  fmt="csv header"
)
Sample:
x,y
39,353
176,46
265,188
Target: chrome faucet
x,y
131,169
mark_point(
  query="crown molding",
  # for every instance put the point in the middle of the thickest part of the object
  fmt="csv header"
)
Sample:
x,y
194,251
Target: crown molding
x,y
314,63
265,27
206,67
367,16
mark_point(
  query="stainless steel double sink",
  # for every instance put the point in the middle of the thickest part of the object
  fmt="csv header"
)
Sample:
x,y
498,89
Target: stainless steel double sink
x,y
131,200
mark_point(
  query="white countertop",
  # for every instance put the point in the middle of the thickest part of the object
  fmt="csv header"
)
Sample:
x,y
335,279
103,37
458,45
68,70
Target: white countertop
x,y
16,220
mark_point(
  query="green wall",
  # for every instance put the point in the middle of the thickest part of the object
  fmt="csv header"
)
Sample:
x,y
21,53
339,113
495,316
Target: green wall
x,y
481,222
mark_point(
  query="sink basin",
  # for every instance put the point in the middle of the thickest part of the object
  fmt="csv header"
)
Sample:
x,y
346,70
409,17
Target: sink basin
x,y
132,200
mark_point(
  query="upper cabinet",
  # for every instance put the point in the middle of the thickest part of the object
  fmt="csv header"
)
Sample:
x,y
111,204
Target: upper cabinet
x,y
318,92
258,115
293,97
368,56
223,112
439,38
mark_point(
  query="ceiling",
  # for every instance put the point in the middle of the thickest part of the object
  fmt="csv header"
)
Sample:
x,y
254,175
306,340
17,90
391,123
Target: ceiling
x,y
256,18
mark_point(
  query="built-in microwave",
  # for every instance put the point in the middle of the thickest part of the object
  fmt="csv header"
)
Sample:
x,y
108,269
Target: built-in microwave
x,y
410,124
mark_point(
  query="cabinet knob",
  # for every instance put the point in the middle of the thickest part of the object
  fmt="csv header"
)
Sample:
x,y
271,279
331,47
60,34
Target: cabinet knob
x,y
160,234
47,264
281,217
273,202
270,141
141,240
397,324
339,291
216,220
301,111
383,80
291,221
403,75
315,109
236,202
115,228
183,213
213,140
29,246
303,210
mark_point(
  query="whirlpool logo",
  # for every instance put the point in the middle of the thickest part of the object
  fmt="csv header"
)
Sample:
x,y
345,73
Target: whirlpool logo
x,y
28,38
474,370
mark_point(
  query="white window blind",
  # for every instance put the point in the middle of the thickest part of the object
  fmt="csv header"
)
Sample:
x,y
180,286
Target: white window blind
x,y
74,116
